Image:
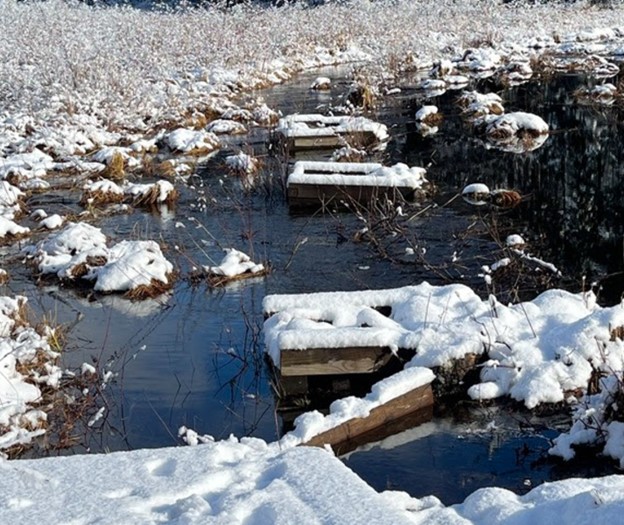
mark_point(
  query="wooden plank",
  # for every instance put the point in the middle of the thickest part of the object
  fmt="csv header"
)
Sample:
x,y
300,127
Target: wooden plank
x,y
326,361
316,142
333,139
400,413
307,194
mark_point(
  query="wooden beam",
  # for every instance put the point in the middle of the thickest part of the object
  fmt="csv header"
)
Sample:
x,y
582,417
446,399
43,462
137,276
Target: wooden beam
x,y
406,411
326,361
300,194
316,142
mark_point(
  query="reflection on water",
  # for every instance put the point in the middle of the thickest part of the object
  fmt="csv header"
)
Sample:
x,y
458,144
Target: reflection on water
x,y
197,360
572,183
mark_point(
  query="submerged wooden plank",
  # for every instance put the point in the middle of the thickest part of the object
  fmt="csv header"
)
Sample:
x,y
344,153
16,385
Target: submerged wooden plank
x,y
403,412
326,361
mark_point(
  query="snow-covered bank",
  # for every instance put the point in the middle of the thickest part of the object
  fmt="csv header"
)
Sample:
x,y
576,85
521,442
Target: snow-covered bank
x,y
254,483
223,482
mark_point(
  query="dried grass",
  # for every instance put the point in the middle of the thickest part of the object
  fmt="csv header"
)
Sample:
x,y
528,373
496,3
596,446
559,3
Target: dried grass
x,y
433,119
150,198
115,169
617,333
98,198
349,154
195,121
82,269
165,169
152,290
215,280
11,238
505,198
69,409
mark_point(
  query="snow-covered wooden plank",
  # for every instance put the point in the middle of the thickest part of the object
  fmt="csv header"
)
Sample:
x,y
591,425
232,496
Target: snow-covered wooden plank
x,y
313,182
313,131
405,411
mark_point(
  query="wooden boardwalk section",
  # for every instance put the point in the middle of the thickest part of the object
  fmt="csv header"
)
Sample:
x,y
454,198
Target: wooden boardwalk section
x,y
306,132
311,183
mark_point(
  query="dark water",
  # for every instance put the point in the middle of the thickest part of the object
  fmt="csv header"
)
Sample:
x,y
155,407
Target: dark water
x,y
196,359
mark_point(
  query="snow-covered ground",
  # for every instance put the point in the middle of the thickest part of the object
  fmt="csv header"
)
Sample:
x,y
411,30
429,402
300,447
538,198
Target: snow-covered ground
x,y
86,92
252,482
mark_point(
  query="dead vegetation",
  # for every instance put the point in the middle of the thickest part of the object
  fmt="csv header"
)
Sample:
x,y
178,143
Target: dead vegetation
x,y
12,238
153,197
152,290
100,197
67,398
115,168
217,280
505,198
82,269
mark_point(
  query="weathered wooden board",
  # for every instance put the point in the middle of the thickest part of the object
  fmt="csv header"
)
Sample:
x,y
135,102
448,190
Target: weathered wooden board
x,y
333,140
323,142
314,194
403,412
326,361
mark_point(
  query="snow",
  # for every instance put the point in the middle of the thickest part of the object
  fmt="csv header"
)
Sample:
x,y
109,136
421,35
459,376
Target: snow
x,y
106,155
26,165
229,127
229,481
8,227
131,264
321,83
162,188
19,393
105,186
250,481
314,125
426,111
241,162
476,194
514,240
356,174
512,123
234,263
188,140
52,222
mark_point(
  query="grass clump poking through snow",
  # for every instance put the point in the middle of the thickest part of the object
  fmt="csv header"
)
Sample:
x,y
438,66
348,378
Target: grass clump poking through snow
x,y
141,195
151,195
80,252
101,192
234,266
